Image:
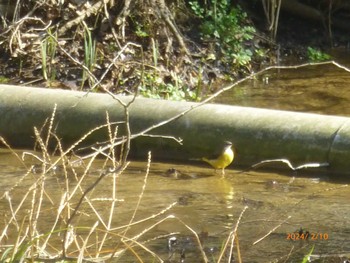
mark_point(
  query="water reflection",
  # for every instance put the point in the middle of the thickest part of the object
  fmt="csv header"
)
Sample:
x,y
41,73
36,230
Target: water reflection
x,y
172,202
279,206
317,89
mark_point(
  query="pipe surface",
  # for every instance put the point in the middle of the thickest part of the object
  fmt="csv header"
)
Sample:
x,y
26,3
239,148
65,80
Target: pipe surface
x,y
257,134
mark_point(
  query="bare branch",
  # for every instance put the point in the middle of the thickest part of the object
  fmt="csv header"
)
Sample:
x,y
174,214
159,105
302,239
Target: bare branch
x,y
287,162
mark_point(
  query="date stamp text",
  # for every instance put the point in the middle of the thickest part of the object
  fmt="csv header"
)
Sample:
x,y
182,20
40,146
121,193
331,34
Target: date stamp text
x,y
307,236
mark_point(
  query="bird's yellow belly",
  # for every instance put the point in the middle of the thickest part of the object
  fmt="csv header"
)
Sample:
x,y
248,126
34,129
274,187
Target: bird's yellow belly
x,y
222,161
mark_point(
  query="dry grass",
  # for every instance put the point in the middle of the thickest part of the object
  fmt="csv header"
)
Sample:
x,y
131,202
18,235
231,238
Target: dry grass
x,y
78,229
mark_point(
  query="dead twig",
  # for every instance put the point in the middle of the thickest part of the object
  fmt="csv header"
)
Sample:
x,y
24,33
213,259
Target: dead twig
x,y
287,162
94,9
167,17
271,231
231,237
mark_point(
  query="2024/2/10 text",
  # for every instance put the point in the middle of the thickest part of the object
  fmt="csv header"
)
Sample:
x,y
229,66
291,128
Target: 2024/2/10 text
x,y
305,236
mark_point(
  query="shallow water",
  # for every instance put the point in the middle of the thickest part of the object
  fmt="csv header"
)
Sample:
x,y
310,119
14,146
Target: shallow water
x,y
277,205
322,89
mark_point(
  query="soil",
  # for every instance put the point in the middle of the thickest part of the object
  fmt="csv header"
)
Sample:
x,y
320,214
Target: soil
x,y
153,55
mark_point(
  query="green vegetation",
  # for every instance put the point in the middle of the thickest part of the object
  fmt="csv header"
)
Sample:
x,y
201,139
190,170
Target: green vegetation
x,y
316,55
141,29
48,54
97,45
220,22
228,26
306,258
4,80
153,86
89,56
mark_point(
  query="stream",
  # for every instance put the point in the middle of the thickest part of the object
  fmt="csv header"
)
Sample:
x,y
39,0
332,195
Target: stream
x,y
280,216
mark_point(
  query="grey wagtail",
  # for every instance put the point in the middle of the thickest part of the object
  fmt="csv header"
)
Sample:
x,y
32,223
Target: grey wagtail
x,y
224,159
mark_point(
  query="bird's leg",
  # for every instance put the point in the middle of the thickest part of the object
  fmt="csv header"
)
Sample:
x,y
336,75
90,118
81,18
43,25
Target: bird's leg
x,y
223,172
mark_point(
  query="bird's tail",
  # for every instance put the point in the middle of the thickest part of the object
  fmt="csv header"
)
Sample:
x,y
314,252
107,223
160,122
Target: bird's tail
x,y
195,159
205,159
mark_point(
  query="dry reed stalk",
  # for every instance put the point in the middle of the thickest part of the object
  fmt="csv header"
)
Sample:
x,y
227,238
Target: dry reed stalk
x,y
238,249
138,244
39,186
46,156
17,183
141,194
162,212
132,241
113,136
231,237
60,209
83,248
100,218
114,176
20,239
37,190
79,141
112,139
169,217
50,131
40,183
15,213
63,204
2,139
272,230
83,196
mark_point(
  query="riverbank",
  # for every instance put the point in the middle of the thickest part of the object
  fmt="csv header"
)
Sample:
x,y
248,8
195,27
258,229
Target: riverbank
x,y
180,52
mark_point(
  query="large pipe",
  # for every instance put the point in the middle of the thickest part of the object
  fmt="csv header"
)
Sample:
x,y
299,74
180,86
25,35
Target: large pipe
x,y
258,134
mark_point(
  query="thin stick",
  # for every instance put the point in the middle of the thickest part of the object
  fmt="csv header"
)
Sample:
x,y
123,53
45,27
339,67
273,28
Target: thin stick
x,y
147,218
141,194
13,152
231,237
271,231
288,163
50,125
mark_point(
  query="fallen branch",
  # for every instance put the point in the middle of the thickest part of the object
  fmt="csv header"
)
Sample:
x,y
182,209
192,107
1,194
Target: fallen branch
x,y
86,13
287,162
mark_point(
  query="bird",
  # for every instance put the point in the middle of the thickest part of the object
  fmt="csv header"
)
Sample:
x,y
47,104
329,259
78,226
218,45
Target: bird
x,y
224,159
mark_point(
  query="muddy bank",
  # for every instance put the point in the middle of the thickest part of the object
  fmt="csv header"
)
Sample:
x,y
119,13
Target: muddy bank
x,y
175,51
